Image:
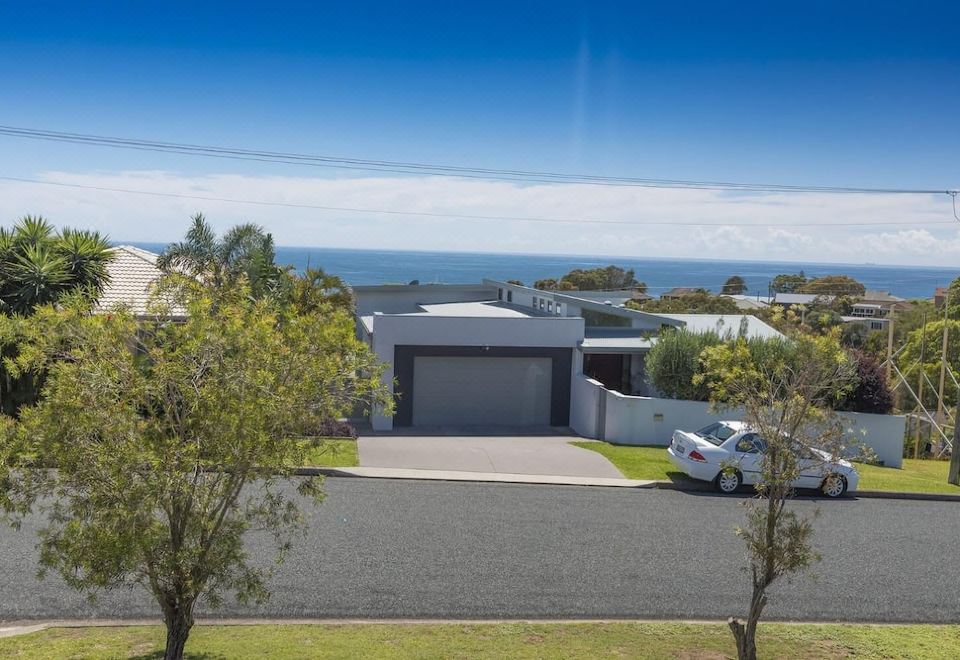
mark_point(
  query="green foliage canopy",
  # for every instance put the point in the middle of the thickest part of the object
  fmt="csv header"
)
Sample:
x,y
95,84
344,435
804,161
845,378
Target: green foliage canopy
x,y
245,251
700,302
609,278
788,283
38,265
735,285
173,439
834,285
674,361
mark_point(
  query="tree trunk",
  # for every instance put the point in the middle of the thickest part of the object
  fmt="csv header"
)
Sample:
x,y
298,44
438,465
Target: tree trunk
x,y
745,633
179,621
953,475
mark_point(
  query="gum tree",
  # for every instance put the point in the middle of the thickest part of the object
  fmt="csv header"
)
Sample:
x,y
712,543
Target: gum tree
x,y
787,400
173,439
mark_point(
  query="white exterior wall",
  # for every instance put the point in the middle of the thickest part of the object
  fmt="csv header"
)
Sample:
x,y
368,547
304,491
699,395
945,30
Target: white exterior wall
x,y
636,420
586,406
430,330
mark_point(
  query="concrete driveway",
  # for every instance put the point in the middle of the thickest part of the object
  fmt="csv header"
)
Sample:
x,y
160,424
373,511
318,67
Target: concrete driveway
x,y
510,454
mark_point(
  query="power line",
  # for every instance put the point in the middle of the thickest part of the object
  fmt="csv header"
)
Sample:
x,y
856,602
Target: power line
x,y
401,167
464,216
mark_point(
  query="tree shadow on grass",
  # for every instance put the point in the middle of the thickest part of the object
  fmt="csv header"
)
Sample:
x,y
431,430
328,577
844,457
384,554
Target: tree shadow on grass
x,y
158,655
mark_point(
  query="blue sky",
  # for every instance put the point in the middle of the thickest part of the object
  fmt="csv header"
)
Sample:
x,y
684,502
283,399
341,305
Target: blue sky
x,y
862,94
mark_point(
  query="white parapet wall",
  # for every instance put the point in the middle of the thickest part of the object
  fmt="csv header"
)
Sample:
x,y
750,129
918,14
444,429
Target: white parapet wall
x,y
638,420
587,399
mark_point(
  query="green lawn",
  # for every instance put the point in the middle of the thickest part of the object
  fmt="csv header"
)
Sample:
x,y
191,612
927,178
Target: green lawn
x,y
636,462
916,476
332,452
501,640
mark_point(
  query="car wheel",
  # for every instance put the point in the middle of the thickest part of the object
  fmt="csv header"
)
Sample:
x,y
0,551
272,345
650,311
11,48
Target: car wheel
x,y
834,485
728,481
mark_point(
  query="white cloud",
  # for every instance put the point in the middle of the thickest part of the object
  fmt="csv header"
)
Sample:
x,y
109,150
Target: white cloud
x,y
156,218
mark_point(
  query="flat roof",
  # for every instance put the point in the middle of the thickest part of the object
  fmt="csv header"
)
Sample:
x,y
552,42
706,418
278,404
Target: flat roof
x,y
799,298
485,308
725,322
477,309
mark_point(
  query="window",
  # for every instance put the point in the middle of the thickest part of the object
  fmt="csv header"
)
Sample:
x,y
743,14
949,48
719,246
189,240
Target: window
x,y
534,302
550,306
499,294
594,319
876,325
751,443
716,433
541,303
558,309
509,296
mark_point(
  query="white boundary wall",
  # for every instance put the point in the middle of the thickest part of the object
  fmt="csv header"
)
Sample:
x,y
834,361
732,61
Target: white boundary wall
x,y
637,420
587,399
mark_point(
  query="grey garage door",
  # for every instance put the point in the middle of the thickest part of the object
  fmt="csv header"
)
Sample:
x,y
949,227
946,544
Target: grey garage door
x,y
472,391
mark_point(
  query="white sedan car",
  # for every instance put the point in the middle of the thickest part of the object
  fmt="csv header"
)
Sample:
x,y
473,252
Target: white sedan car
x,y
703,455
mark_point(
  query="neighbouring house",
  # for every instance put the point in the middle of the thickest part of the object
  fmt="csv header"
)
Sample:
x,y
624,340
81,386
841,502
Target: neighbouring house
x,y
744,301
133,273
869,322
940,296
678,292
883,300
789,299
873,310
500,354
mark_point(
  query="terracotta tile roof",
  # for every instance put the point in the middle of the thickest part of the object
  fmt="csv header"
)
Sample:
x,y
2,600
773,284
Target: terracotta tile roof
x,y
133,273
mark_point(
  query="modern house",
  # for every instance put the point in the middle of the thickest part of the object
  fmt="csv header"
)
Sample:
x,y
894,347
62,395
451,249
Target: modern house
x,y
502,354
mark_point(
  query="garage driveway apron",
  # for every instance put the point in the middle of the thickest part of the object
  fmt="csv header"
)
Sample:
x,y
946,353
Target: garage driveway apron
x,y
516,454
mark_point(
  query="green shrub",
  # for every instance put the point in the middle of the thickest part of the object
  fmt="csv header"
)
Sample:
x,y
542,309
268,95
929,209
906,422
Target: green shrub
x,y
675,359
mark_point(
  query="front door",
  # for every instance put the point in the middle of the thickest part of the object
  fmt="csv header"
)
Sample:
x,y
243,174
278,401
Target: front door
x,y
606,368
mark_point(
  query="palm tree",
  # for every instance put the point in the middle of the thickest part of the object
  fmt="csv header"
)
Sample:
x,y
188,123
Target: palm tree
x,y
245,250
316,289
38,265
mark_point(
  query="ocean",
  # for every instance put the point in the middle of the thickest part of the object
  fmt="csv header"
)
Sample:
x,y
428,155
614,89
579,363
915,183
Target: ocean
x,y
360,267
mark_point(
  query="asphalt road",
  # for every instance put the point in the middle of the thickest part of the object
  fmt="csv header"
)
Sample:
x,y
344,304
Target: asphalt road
x,y
392,549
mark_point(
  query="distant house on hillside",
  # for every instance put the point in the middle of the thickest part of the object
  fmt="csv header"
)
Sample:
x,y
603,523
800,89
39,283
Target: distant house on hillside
x,y
748,302
679,292
940,296
788,299
884,300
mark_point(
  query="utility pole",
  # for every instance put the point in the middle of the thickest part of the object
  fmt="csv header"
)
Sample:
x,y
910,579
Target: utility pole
x,y
953,476
943,360
893,312
916,428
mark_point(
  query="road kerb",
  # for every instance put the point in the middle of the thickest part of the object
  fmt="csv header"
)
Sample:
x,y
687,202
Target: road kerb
x,y
560,480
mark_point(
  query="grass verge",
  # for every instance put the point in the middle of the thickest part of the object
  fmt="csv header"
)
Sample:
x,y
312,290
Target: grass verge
x,y
916,476
331,452
636,461
497,640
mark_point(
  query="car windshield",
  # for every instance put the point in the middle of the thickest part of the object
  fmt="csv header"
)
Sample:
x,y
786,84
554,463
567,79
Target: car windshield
x,y
716,433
